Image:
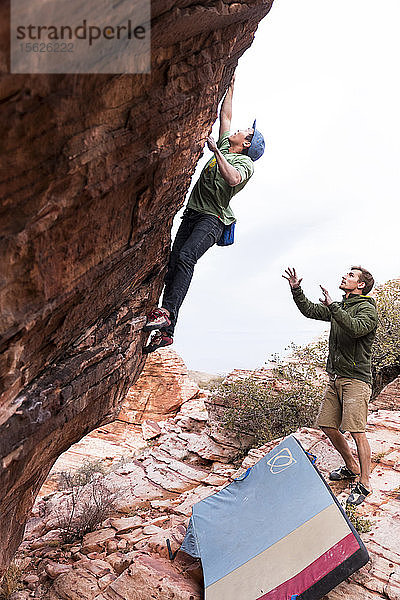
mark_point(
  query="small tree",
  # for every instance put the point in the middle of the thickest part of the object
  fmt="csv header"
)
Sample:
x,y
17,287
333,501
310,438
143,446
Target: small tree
x,y
82,476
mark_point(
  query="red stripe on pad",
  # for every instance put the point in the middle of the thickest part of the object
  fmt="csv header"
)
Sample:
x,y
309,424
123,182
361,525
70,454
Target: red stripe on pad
x,y
315,571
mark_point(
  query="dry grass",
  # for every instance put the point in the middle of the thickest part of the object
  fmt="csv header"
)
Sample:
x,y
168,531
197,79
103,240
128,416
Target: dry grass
x,y
89,502
377,457
359,523
11,582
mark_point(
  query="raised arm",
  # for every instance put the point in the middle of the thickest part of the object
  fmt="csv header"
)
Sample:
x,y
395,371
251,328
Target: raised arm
x,y
225,116
307,308
228,172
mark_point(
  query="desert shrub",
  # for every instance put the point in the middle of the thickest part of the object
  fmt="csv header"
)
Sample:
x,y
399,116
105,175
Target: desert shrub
x,y
82,476
211,383
264,410
206,381
121,462
11,582
314,354
88,503
386,348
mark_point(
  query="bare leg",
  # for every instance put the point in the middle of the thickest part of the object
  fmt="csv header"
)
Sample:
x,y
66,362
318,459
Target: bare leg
x,y
364,456
341,445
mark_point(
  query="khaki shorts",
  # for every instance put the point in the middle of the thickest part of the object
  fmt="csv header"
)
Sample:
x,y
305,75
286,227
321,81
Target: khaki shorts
x,y
345,404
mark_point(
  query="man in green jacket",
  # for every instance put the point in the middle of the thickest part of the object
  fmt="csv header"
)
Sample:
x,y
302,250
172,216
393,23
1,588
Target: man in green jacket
x,y
345,405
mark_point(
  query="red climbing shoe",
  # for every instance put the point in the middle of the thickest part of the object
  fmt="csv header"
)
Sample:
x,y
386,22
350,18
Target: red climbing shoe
x,y
158,340
157,319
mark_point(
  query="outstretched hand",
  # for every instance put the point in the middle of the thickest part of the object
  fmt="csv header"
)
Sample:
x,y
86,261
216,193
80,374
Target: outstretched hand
x,y
211,143
326,300
292,278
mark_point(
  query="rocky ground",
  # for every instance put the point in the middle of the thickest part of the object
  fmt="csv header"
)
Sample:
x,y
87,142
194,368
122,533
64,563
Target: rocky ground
x,y
177,464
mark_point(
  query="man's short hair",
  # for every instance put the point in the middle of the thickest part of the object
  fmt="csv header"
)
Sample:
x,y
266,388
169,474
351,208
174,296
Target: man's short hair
x,y
366,277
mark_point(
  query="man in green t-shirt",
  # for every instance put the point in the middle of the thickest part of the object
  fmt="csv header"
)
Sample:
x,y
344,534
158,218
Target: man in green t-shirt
x,y
207,215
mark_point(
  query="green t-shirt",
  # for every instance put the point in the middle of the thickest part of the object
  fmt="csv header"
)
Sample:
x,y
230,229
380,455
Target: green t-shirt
x,y
211,194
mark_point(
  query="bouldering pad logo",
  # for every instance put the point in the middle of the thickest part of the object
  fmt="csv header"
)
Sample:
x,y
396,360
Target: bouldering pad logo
x,y
281,461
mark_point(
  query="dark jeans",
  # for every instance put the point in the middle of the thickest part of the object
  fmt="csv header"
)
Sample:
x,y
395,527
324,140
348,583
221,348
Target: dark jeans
x,y
196,234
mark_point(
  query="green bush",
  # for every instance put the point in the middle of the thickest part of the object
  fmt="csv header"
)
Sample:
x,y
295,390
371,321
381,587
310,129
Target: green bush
x,y
386,348
314,354
270,409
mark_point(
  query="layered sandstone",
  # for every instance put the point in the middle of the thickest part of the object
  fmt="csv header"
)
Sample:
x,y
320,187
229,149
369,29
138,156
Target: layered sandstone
x,y
94,169
163,386
127,556
389,398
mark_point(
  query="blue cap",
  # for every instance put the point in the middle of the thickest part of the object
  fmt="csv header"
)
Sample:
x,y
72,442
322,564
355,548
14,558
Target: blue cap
x,y
257,146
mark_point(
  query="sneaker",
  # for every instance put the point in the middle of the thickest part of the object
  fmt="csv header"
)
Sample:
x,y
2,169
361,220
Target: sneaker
x,y
342,473
358,494
157,319
158,340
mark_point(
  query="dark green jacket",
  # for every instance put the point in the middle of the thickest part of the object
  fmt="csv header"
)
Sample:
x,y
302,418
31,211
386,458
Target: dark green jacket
x,y
353,327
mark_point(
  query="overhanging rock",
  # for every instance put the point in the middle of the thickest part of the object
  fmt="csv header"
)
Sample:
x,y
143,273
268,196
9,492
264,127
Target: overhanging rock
x,y
95,167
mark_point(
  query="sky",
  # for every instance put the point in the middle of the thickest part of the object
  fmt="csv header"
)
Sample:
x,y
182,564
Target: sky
x,y
322,78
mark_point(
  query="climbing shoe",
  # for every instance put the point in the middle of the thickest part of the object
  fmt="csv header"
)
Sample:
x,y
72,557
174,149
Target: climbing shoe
x,y
342,473
358,494
157,319
158,340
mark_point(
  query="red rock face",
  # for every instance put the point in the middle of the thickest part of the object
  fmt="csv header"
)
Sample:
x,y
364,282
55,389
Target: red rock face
x,y
95,167
389,397
161,389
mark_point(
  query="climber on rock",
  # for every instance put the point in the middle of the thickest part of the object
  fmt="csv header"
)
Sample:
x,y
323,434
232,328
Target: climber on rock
x,y
208,218
345,404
